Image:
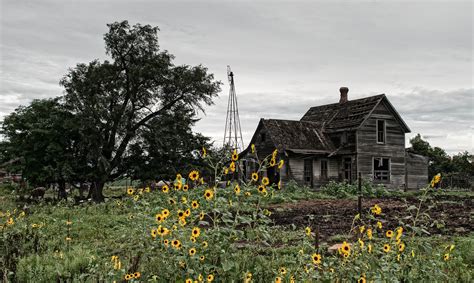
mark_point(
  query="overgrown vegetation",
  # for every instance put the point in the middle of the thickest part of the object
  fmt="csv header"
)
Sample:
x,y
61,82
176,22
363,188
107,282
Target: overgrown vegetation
x,y
200,231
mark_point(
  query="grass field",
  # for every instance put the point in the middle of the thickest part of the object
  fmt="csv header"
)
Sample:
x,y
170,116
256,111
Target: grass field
x,y
242,235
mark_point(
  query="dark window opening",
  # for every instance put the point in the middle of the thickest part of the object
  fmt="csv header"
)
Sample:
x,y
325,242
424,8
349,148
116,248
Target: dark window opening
x,y
262,136
381,169
348,169
324,169
380,131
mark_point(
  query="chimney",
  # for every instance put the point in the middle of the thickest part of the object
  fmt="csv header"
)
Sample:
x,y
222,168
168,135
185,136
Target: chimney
x,y
343,90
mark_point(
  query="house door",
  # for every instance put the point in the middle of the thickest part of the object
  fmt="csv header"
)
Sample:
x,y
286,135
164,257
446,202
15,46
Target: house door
x,y
273,174
347,169
308,172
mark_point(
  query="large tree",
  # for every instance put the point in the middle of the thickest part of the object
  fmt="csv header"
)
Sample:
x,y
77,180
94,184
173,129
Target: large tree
x,y
116,99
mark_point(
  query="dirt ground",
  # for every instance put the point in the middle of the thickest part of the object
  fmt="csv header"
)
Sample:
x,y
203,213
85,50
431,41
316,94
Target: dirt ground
x,y
334,217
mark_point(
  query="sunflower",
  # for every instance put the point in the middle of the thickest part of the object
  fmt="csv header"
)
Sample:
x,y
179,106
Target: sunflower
x,y
232,166
159,218
272,162
147,189
130,191
186,188
178,186
316,258
235,155
165,212
369,233
136,197
176,244
254,177
361,280
128,276
401,247
204,152
369,248
446,257
189,280
166,242
210,278
182,221
361,243
192,239
10,221
194,175
280,164
376,210
278,279
192,251
196,232
201,258
386,248
171,201
209,194
194,204
205,244
184,200
187,212
153,233
282,270
237,189
162,231
201,215
345,248
261,189
279,185
165,189
307,230
379,224
247,194
180,214
265,181
389,233
137,275
362,229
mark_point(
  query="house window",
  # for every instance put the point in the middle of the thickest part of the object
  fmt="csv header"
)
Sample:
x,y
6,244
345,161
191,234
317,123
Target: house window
x,y
381,131
324,169
308,171
381,169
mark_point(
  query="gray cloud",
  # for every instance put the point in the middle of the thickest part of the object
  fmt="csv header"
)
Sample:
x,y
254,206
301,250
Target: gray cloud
x,y
287,55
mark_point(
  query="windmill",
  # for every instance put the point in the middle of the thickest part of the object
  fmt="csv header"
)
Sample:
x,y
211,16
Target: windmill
x,y
232,132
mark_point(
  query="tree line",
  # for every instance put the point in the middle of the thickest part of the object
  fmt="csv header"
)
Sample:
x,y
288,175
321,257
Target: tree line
x,y
131,115
461,164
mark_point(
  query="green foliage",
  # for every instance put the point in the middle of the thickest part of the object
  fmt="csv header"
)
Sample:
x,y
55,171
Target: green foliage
x,y
76,265
345,190
440,161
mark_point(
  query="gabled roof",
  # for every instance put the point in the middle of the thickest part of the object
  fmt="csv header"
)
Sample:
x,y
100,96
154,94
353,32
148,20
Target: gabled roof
x,y
296,136
350,115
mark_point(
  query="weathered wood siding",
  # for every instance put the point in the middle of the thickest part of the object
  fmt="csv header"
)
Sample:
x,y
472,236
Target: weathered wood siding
x,y
417,170
393,148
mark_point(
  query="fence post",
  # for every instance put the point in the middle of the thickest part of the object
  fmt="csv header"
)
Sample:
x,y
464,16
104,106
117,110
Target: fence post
x,y
359,198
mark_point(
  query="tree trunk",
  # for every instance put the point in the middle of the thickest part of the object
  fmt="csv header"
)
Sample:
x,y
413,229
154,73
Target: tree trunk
x,y
62,194
96,191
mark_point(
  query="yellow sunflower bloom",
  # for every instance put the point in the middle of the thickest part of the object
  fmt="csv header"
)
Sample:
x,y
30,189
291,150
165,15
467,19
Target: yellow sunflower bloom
x,y
386,248
401,247
389,233
345,248
165,189
210,278
446,257
232,166
165,212
254,177
196,232
195,204
237,189
235,155
194,175
192,251
316,258
280,164
361,280
376,210
282,270
272,162
208,194
265,181
307,231
130,191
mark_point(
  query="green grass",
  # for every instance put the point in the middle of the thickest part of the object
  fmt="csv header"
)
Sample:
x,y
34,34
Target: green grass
x,y
122,227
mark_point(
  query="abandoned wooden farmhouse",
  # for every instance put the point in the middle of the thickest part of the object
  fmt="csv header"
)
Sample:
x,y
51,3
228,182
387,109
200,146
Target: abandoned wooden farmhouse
x,y
337,141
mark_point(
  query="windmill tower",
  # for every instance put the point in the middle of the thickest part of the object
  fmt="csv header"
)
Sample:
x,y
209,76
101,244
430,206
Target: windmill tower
x,y
232,133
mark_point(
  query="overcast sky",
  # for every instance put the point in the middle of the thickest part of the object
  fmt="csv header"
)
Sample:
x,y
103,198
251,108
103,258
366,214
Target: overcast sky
x,y
286,55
